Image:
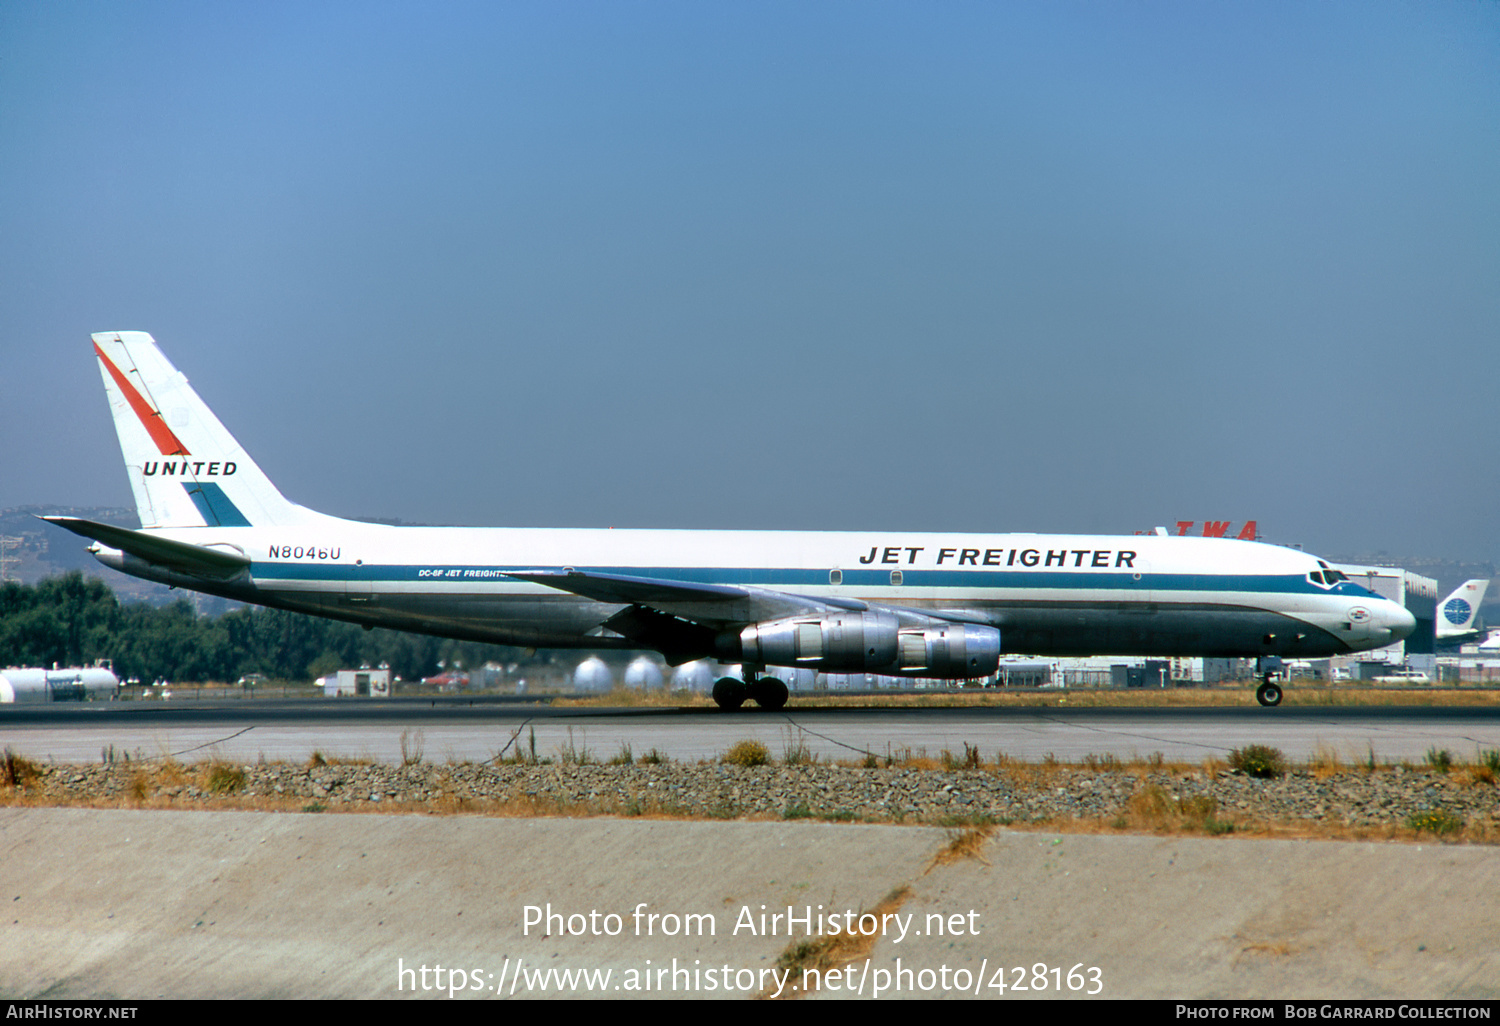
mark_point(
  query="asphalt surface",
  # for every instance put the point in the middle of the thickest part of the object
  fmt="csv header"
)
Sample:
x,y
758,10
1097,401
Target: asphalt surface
x,y
482,728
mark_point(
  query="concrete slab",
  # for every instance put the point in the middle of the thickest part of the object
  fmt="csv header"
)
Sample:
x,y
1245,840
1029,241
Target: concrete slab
x,y
133,904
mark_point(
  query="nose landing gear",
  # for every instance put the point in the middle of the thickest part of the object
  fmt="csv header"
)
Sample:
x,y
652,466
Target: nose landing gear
x,y
1268,694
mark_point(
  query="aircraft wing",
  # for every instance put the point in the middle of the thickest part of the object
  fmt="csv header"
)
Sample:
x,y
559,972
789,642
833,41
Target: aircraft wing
x,y
198,560
681,619
710,604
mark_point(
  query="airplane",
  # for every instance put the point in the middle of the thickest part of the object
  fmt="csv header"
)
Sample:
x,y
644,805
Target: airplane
x,y
1460,610
897,603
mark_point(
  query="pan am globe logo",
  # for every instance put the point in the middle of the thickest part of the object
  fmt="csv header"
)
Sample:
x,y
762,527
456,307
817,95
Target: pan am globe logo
x,y
1457,611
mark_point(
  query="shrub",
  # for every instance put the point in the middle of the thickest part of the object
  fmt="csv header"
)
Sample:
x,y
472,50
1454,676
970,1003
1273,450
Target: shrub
x,y
17,770
747,753
1258,761
224,778
1440,759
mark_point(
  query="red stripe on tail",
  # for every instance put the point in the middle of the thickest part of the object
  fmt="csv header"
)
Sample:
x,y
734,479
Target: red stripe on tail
x,y
165,440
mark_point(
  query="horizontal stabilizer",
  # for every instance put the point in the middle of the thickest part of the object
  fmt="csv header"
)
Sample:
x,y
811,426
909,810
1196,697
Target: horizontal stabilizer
x,y
184,557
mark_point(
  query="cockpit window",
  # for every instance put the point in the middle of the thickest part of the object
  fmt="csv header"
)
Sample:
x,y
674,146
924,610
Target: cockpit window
x,y
1326,578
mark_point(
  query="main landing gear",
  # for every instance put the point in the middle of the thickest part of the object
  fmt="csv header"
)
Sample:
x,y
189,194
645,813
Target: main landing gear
x,y
1268,694
767,692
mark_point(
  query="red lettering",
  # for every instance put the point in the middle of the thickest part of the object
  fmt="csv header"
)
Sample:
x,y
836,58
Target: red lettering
x,y
1215,528
1248,532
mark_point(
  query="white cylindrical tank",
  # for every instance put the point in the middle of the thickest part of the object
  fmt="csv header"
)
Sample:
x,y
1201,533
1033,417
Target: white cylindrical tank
x,y
643,674
697,675
593,676
23,685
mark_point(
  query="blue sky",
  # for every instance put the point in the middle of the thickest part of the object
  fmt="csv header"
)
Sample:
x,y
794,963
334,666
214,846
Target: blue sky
x,y
982,267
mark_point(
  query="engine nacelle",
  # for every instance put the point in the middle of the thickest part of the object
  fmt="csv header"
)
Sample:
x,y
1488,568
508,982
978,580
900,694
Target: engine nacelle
x,y
950,650
873,642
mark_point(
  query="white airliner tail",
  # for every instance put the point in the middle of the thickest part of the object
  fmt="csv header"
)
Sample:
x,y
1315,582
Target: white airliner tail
x,y
1459,610
186,470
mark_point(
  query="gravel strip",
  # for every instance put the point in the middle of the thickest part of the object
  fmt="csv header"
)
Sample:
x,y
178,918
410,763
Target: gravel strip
x,y
1215,800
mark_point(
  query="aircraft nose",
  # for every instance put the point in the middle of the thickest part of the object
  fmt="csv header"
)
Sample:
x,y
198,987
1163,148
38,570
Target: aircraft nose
x,y
1396,619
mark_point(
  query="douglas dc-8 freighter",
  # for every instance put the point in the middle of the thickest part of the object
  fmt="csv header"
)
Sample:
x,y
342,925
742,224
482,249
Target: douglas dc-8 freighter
x,y
904,604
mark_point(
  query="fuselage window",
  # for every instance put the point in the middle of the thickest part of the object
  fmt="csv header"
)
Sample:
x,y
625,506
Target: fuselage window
x,y
835,577
895,576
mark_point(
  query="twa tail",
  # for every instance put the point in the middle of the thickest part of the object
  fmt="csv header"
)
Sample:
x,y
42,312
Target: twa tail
x,y
185,469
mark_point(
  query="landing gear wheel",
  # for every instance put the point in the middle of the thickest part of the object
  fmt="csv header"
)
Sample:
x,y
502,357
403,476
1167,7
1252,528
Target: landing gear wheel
x,y
770,694
730,693
1268,694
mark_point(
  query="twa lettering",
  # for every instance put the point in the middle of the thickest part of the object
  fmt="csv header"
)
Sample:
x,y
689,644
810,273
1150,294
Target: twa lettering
x,y
1090,559
1220,529
171,468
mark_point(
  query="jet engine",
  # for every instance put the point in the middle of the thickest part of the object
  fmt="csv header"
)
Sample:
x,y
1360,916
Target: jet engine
x,y
871,642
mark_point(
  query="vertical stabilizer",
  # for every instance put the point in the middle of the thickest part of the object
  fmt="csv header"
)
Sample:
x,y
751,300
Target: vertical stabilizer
x,y
1460,609
185,469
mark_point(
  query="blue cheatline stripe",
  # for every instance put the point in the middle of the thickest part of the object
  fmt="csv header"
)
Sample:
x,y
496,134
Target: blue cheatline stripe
x,y
791,578
214,506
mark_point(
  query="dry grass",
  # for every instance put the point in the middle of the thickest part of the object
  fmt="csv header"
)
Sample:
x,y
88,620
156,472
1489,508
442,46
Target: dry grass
x,y
966,843
821,955
1325,764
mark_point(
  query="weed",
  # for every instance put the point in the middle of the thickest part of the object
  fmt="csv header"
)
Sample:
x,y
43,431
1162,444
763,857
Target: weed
x,y
314,807
796,810
1490,759
575,755
1439,759
655,757
838,816
1106,763
1155,760
968,761
411,747
747,753
140,786
872,761
1325,763
1258,761
624,757
965,843
1435,821
316,759
808,960
17,770
224,778
795,751
723,809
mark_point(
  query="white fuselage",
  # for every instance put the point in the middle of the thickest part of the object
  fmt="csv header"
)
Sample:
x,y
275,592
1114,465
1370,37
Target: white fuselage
x,y
1047,594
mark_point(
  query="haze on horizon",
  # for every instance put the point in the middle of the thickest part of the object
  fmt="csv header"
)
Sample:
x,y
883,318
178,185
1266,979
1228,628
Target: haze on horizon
x,y
1067,267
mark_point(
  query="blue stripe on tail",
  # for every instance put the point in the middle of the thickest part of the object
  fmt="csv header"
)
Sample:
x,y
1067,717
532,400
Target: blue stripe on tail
x,y
214,505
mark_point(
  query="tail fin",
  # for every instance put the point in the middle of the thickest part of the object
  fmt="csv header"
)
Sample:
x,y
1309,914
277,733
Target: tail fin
x,y
1460,609
186,470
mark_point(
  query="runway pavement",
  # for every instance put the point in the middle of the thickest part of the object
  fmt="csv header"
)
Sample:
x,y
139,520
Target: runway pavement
x,y
461,730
